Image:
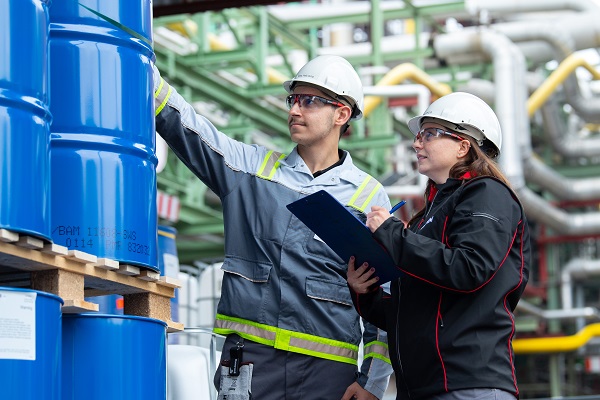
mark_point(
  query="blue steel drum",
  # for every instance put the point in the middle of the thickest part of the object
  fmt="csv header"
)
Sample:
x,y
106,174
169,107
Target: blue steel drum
x,y
102,146
168,261
24,117
113,357
108,304
31,372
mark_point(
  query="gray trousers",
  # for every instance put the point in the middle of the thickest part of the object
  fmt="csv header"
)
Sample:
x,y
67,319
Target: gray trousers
x,y
475,394
281,375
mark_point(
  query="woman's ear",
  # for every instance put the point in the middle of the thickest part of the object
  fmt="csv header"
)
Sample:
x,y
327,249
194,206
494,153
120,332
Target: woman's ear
x,y
463,150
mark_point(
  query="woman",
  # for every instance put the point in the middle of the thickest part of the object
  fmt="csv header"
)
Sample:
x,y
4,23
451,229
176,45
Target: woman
x,y
464,258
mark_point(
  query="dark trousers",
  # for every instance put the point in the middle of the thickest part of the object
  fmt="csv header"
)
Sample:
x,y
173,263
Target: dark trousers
x,y
282,375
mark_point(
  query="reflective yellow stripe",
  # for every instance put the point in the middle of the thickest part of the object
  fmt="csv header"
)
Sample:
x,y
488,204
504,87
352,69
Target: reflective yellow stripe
x,y
270,164
364,193
161,96
283,339
379,350
160,86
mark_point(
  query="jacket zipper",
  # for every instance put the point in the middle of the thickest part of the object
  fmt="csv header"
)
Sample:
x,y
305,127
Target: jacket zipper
x,y
398,342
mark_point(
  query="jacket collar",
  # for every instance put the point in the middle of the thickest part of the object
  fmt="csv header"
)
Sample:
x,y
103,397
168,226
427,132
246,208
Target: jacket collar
x,y
347,171
451,183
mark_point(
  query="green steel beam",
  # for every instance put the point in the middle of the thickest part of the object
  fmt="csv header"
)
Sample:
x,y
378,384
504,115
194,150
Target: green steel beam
x,y
216,59
213,87
278,29
374,142
390,14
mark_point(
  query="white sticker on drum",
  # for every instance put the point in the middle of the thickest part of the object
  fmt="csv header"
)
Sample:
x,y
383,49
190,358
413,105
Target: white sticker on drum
x,y
171,265
17,325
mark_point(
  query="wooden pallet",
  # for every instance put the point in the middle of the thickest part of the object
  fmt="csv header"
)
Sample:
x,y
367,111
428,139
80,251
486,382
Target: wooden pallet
x,y
74,275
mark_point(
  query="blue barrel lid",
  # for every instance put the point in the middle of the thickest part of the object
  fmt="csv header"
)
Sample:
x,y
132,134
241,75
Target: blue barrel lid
x,y
39,293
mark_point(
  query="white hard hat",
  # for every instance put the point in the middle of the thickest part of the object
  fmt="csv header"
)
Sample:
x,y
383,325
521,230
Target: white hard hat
x,y
464,113
336,76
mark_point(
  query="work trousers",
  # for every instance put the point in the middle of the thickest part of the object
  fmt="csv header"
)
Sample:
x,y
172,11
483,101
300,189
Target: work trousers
x,y
280,375
475,394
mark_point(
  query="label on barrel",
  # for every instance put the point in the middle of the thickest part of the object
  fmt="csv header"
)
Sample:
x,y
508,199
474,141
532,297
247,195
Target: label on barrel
x,y
17,325
91,238
171,263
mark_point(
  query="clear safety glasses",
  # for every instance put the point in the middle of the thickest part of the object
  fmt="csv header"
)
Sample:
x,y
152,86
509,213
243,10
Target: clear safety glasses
x,y
310,102
428,134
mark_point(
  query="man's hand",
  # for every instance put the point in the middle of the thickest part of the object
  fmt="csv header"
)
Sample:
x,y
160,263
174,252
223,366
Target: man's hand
x,y
356,392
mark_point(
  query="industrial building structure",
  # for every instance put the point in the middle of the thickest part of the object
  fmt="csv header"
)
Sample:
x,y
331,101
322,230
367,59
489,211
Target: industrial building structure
x,y
536,62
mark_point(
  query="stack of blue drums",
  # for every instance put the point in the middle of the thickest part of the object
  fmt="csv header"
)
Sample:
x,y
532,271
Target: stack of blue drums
x,y
102,147
78,169
24,118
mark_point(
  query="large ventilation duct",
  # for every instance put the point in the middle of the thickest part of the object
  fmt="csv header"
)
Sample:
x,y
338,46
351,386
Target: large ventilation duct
x,y
562,36
508,7
566,35
569,145
510,102
511,90
576,269
540,210
561,187
575,313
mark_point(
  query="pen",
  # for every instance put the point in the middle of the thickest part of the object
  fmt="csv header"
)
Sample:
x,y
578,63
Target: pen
x,y
397,206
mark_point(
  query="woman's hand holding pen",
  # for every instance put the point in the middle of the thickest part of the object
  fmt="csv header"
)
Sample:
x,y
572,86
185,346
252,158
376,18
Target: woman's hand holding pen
x,y
360,279
376,217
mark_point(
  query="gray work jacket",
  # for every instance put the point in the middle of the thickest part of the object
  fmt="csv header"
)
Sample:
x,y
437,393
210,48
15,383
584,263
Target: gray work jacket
x,y
282,286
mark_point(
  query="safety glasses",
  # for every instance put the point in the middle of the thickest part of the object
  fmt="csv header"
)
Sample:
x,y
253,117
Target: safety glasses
x,y
428,134
310,102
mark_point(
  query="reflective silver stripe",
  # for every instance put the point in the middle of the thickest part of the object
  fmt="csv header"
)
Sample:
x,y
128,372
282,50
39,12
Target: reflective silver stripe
x,y
287,340
377,348
364,193
161,96
254,331
323,348
269,165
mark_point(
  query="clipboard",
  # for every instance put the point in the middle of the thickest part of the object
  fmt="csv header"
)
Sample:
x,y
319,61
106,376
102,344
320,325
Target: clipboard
x,y
344,233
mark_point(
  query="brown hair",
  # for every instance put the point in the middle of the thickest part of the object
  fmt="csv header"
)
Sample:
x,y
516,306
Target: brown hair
x,y
477,162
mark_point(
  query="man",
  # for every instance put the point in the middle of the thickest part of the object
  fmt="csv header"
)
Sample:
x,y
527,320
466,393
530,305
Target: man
x,y
285,307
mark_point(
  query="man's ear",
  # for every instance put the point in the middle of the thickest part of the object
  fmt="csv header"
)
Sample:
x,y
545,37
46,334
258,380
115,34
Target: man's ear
x,y
343,115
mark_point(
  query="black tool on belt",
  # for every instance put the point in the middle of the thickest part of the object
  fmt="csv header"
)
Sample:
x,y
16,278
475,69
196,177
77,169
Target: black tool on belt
x,y
236,355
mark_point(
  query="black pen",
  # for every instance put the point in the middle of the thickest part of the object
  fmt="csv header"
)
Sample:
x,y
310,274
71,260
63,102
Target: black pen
x,y
397,206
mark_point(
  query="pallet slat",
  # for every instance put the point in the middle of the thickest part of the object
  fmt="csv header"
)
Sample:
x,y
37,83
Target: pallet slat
x,y
74,275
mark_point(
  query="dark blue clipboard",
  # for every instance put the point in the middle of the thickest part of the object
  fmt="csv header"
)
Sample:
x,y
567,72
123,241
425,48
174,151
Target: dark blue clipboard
x,y
344,233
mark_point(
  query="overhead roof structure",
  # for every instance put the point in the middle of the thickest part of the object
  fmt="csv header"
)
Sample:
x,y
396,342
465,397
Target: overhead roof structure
x,y
162,8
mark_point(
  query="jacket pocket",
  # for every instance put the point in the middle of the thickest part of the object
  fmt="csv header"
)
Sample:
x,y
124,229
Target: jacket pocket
x,y
246,290
253,271
321,289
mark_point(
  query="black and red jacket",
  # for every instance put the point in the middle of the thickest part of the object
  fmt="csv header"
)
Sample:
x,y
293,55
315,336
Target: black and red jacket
x,y
450,316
